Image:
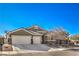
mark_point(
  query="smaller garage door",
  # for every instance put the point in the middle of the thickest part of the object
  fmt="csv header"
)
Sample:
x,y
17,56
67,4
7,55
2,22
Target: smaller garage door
x,y
37,39
16,39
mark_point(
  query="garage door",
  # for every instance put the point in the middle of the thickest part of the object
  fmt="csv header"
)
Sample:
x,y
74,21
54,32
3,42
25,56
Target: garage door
x,y
16,39
37,39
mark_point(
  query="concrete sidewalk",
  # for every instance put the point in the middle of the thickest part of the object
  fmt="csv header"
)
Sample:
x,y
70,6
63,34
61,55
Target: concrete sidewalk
x,y
18,51
28,51
58,49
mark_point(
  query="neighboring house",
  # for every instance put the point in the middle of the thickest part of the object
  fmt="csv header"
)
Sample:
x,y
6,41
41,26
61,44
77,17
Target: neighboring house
x,y
32,35
1,42
75,39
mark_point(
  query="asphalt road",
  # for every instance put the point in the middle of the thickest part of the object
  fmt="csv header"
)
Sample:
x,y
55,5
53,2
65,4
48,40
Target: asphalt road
x,y
55,53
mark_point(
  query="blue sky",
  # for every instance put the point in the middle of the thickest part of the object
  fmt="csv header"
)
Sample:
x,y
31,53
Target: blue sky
x,y
48,16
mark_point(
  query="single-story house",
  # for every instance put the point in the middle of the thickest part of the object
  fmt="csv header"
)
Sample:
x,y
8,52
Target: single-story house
x,y
36,35
32,35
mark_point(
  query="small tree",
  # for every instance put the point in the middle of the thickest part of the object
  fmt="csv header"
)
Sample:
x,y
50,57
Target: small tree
x,y
61,31
56,33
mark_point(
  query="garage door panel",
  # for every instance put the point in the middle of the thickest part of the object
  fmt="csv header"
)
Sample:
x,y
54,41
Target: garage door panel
x,y
21,39
37,40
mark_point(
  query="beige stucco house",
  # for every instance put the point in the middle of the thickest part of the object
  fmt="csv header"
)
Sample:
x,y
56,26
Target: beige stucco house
x,y
32,35
36,35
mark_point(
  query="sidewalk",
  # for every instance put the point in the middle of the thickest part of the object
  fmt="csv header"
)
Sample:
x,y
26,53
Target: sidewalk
x,y
28,51
57,49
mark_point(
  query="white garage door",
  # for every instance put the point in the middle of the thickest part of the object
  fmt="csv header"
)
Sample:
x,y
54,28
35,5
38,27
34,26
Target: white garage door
x,y
37,39
16,39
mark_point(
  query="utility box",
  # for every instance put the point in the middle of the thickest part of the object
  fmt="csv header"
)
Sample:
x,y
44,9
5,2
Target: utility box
x,y
7,47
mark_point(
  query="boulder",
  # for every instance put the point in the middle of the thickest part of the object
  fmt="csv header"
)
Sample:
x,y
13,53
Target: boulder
x,y
7,47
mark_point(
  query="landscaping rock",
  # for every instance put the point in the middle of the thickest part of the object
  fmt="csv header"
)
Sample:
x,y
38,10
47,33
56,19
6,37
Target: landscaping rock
x,y
7,47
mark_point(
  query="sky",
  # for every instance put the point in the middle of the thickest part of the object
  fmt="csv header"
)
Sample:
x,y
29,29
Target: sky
x,y
46,15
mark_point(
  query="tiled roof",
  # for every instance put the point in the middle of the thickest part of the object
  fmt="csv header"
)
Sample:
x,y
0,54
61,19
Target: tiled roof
x,y
29,31
35,28
34,33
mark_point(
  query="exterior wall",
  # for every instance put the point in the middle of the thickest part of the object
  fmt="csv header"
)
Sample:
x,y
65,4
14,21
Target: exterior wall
x,y
21,39
37,39
59,37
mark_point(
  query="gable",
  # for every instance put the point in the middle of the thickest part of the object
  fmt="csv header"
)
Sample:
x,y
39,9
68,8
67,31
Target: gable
x,y
35,28
20,32
23,32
